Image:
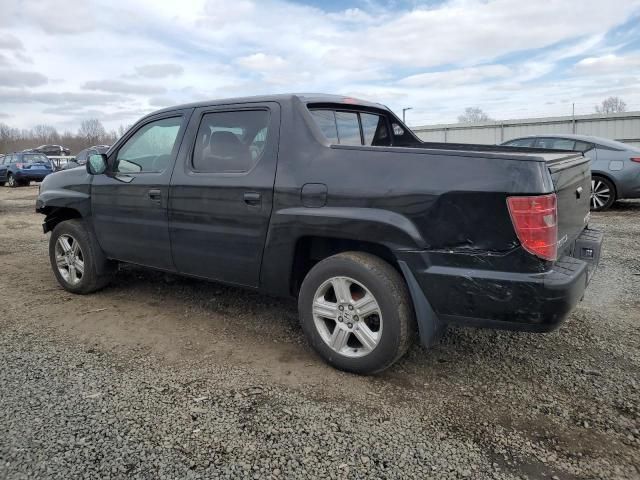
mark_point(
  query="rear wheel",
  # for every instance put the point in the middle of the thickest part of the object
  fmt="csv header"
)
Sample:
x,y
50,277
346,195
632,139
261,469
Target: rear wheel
x,y
11,181
356,312
603,193
76,258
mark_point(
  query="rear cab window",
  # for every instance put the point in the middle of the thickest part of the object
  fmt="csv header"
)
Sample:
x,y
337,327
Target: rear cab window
x,y
346,127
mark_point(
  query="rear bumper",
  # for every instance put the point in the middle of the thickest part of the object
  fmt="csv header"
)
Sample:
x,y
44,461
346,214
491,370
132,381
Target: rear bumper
x,y
507,300
32,176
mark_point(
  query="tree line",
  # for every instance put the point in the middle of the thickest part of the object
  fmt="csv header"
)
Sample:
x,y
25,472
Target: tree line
x,y
91,132
609,105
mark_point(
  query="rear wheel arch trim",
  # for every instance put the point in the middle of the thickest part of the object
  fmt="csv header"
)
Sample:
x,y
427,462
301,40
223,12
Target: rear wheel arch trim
x,y
430,327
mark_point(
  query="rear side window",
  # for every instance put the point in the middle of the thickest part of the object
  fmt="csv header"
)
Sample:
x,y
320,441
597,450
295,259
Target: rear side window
x,y
348,128
521,142
583,146
374,130
352,128
326,120
556,143
230,142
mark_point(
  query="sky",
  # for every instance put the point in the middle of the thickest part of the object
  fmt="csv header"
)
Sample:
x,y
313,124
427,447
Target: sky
x,y
64,61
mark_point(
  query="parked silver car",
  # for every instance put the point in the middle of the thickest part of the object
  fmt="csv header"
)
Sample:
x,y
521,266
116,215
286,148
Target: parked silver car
x,y
615,166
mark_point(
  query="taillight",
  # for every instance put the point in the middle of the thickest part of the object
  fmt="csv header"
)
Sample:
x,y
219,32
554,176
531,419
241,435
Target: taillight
x,y
535,220
635,159
20,165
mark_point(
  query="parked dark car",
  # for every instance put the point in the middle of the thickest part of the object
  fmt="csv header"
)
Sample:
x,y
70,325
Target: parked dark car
x,y
21,168
82,155
615,166
52,150
333,201
81,158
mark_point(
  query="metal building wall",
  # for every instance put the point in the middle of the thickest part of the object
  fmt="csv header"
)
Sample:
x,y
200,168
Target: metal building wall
x,y
624,127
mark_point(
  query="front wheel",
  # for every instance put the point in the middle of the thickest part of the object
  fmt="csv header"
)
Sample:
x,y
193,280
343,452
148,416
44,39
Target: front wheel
x,y
356,312
603,193
11,181
76,258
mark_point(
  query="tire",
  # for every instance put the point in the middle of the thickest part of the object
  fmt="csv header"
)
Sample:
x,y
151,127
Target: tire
x,y
603,193
96,270
361,276
1,184
11,181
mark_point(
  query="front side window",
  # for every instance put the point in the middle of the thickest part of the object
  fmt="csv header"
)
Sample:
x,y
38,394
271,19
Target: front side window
x,y
230,142
149,150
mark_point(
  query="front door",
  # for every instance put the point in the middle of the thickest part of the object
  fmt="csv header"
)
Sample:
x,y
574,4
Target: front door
x,y
129,202
222,192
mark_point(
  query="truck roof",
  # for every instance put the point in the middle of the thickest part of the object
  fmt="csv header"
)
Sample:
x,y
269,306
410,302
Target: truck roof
x,y
284,97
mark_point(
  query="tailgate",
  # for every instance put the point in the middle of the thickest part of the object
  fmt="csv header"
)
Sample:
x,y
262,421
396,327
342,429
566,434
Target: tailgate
x,y
571,175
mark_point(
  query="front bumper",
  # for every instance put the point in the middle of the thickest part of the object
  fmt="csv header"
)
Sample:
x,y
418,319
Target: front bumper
x,y
509,300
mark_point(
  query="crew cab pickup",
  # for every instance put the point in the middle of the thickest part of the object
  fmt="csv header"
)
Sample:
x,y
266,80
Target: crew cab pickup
x,y
334,201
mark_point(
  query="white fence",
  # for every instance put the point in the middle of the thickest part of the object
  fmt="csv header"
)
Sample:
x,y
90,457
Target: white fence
x,y
624,127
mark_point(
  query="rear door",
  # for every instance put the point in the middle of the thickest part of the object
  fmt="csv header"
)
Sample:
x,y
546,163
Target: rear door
x,y
221,192
129,202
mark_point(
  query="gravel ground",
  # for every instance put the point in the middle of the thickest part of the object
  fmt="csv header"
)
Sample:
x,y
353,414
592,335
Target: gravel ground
x,y
165,377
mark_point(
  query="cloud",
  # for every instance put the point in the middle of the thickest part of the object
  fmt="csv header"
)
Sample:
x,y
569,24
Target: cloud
x,y
508,56
19,78
9,42
159,70
58,98
161,102
450,78
608,64
59,16
118,86
262,62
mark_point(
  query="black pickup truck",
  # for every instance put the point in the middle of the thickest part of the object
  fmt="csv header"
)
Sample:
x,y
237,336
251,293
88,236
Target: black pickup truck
x,y
334,201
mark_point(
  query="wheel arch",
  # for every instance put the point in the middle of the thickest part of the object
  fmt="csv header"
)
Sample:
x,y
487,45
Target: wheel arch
x,y
56,215
311,249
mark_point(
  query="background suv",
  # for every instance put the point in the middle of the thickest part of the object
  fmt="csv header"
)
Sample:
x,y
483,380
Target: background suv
x,y
21,168
615,166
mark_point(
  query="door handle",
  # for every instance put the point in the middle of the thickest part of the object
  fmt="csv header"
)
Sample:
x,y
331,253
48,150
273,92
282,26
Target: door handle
x,y
252,199
155,195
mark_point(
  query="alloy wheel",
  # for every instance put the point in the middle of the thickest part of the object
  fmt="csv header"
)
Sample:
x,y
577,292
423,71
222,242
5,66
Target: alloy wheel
x,y
347,316
600,193
69,259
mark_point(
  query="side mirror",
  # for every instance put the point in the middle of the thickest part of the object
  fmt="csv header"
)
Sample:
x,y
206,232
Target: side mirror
x,y
97,164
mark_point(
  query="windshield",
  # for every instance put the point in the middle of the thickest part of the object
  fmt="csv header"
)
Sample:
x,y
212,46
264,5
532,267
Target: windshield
x,y
35,158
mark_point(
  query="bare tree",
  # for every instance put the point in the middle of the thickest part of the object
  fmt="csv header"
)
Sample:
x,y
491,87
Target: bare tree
x,y
611,105
45,134
92,130
473,115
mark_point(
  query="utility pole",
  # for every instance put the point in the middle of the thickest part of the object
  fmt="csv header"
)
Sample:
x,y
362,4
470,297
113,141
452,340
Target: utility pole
x,y
403,113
